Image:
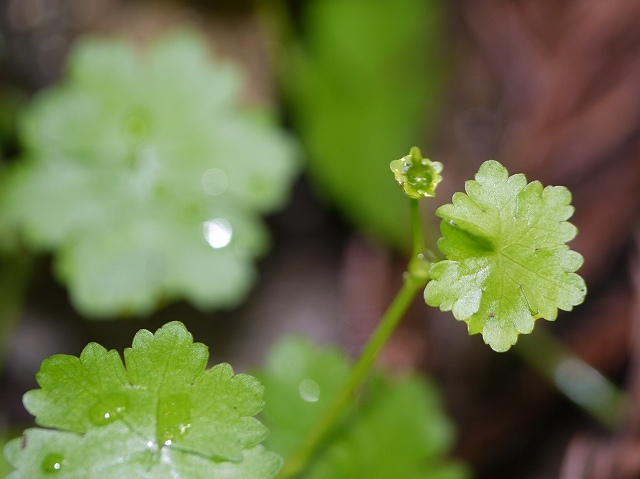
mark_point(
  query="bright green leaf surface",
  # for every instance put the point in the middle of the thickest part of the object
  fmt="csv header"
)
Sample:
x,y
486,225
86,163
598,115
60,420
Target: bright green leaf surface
x,y
507,262
398,428
146,177
360,86
163,415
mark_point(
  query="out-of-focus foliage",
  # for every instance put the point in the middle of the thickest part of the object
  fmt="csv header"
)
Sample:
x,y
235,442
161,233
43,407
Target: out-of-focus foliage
x,y
163,415
146,178
359,87
397,428
507,262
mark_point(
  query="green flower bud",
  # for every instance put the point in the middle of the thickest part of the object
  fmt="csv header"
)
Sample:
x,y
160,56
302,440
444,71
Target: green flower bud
x,y
417,176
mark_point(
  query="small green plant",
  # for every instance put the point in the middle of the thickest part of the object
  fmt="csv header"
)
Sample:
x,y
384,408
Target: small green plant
x,y
161,414
146,176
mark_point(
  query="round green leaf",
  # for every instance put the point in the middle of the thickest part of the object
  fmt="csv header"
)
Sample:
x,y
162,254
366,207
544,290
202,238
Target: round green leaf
x,y
507,262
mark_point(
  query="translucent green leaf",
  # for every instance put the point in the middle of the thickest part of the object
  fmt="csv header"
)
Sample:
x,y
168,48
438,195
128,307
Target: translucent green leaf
x,y
113,453
507,262
397,429
146,177
163,415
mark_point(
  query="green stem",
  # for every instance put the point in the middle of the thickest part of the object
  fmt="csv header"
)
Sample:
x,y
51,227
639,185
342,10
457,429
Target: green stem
x,y
576,379
417,238
301,457
418,267
415,279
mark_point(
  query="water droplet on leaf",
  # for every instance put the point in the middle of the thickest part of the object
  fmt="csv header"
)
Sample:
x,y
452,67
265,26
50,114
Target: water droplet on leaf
x,y
309,390
214,181
52,463
217,232
174,418
109,409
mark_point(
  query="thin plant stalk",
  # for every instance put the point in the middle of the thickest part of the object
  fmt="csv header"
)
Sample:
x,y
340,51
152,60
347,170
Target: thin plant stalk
x,y
297,462
415,280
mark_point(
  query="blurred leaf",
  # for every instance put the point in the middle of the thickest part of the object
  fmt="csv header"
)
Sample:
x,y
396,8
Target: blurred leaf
x,y
146,177
507,261
359,89
163,415
397,429
294,368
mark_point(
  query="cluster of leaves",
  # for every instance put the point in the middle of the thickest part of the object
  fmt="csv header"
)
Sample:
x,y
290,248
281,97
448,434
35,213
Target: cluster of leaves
x,y
161,414
507,259
146,177
358,86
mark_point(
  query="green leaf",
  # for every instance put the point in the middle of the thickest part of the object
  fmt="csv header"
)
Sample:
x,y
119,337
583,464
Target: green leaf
x,y
5,468
398,428
362,87
507,262
163,415
146,177
300,381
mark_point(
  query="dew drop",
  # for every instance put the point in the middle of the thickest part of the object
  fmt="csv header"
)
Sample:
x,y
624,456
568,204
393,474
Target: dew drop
x,y
174,418
214,181
52,463
183,429
108,410
217,232
309,390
